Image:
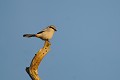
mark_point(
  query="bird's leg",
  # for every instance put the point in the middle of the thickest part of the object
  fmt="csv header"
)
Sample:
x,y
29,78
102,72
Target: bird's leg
x,y
47,40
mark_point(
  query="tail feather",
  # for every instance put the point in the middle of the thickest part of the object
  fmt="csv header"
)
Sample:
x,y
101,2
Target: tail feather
x,y
29,35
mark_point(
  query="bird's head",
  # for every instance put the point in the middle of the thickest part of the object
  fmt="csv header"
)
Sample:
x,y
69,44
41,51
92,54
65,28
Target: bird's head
x,y
53,27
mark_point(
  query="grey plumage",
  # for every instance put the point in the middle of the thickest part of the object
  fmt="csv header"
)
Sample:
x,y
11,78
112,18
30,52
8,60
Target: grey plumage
x,y
45,34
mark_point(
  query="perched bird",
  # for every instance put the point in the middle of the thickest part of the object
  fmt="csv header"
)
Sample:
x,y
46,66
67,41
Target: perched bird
x,y
45,34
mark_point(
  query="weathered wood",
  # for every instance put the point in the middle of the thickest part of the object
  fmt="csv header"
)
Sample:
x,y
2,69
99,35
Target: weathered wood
x,y
33,69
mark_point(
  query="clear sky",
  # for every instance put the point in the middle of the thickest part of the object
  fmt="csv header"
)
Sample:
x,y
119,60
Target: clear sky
x,y
85,47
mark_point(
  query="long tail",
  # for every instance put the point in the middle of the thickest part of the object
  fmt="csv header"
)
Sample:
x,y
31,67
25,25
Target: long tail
x,y
29,35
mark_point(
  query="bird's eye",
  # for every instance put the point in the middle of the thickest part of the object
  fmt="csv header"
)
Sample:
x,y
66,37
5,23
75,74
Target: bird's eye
x,y
52,27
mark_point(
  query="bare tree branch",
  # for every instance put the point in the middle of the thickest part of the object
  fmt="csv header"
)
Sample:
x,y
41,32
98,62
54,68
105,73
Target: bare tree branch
x,y
33,69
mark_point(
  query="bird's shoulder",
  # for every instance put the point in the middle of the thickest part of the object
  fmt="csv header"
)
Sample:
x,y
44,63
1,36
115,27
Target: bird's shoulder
x,y
43,30
40,32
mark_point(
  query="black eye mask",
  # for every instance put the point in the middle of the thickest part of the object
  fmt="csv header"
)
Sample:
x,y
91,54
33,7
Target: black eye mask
x,y
53,28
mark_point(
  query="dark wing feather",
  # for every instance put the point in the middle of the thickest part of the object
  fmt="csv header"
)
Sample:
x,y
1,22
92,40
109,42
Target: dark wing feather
x,y
40,32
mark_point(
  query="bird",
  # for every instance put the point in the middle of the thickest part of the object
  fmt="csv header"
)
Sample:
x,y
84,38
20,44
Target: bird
x,y
46,34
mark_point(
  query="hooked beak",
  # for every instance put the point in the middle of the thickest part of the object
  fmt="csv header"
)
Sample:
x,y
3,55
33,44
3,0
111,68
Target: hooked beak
x,y
55,29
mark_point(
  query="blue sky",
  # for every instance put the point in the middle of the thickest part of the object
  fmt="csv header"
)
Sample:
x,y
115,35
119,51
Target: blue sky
x,y
85,47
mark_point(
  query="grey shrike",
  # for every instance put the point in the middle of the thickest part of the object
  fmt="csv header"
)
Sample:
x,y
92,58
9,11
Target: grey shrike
x,y
45,34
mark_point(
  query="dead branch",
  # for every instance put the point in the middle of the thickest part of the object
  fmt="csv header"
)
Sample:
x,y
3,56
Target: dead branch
x,y
33,69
